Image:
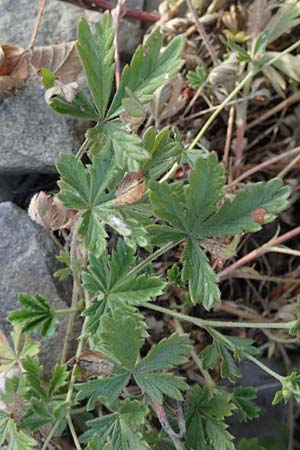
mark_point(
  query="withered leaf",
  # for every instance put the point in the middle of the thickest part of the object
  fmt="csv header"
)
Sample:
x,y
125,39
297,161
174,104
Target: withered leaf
x,y
91,364
50,213
61,59
131,189
13,66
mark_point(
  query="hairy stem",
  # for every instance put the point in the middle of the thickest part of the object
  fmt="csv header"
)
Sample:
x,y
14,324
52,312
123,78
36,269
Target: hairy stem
x,y
202,323
65,312
151,257
50,436
73,433
75,294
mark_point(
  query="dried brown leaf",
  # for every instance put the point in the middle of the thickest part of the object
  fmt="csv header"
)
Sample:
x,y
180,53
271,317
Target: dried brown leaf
x,y
131,189
50,213
91,364
14,66
61,59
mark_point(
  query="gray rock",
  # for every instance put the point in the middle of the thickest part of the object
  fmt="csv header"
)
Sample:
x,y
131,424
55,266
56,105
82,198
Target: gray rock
x,y
32,135
271,417
27,263
58,23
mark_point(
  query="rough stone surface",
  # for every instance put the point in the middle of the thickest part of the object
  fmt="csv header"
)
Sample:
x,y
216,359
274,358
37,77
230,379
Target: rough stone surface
x,y
271,417
31,134
58,23
27,264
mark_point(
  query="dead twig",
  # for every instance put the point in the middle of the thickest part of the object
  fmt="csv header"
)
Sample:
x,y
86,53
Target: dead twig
x,y
201,31
258,252
265,164
117,14
37,24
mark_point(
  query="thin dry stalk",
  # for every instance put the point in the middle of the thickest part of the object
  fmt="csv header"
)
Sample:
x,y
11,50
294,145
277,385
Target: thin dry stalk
x,y
37,24
265,164
201,31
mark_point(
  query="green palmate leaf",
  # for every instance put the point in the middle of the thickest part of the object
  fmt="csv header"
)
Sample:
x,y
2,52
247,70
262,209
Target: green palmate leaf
x,y
196,77
17,440
122,335
168,353
111,280
86,189
9,356
127,148
149,69
192,214
36,314
120,428
158,384
200,275
239,215
205,413
97,56
164,152
205,189
243,399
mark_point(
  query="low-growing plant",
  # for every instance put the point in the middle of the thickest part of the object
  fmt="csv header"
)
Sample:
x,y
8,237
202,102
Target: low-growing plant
x,y
121,391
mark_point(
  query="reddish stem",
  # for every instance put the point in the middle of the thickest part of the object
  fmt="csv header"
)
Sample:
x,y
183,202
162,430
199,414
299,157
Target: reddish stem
x,y
257,252
97,5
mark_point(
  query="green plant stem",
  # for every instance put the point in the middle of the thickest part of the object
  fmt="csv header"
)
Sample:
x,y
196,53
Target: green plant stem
x,y
75,293
265,368
50,436
208,379
73,433
151,257
82,149
65,312
70,324
202,323
284,52
210,120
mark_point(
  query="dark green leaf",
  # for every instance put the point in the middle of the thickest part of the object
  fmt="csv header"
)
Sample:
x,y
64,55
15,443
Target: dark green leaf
x,y
158,384
238,216
122,334
243,399
205,189
58,379
97,56
149,69
37,314
169,352
200,275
